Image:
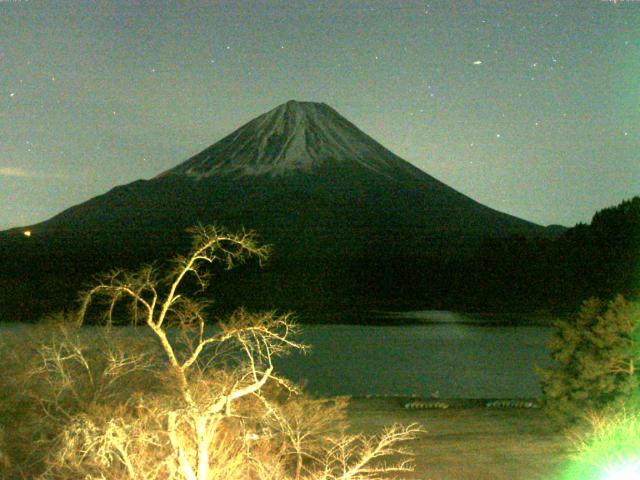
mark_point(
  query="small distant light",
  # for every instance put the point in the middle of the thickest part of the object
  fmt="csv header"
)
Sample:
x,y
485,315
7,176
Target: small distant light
x,y
27,233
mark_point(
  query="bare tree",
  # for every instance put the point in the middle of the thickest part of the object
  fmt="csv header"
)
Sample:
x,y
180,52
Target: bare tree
x,y
219,411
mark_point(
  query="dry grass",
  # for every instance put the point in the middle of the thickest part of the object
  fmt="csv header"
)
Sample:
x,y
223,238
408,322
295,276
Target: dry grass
x,y
472,443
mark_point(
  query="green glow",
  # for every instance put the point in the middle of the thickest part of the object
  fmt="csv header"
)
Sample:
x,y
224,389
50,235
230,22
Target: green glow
x,y
612,451
626,471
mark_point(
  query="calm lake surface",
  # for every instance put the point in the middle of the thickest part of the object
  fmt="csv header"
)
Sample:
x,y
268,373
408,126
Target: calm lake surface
x,y
454,356
450,356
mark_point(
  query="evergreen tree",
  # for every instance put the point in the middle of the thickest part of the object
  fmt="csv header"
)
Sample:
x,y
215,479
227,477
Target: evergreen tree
x,y
596,360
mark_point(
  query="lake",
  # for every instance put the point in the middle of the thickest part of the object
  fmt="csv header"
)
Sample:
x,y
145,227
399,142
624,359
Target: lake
x,y
452,356
448,356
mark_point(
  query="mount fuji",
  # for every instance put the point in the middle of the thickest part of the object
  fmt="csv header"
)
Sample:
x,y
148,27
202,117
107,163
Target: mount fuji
x,y
337,207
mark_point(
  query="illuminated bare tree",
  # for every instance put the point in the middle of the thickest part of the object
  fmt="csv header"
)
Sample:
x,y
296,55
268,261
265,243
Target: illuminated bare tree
x,y
218,411
159,302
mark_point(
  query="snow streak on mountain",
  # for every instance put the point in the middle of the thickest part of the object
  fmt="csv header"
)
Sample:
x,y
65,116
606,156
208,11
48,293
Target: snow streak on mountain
x,y
296,136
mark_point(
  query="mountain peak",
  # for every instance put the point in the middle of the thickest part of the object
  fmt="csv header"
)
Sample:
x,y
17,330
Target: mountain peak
x,y
293,137
302,107
299,105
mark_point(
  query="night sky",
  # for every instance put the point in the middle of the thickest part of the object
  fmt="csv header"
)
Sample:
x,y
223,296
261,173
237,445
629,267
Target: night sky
x,y
530,107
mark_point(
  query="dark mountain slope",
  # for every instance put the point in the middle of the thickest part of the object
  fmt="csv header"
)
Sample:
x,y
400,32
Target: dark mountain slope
x,y
327,197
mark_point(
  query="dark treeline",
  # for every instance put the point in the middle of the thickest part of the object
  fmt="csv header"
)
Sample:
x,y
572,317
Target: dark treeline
x,y
517,274
601,259
554,274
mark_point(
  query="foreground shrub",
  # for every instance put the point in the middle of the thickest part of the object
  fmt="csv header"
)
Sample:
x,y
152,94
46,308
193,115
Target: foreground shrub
x,y
54,372
194,405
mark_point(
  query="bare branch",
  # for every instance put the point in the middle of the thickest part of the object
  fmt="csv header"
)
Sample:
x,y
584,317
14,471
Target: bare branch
x,y
215,407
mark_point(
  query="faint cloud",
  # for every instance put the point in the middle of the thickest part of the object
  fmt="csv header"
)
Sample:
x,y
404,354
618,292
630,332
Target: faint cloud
x,y
18,172
13,172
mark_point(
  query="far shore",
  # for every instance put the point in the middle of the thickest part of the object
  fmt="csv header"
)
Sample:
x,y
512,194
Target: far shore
x,y
431,317
401,318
